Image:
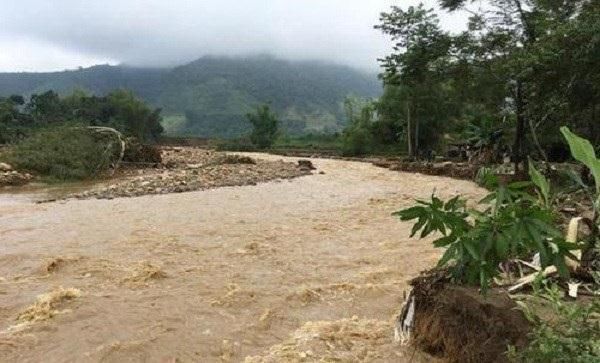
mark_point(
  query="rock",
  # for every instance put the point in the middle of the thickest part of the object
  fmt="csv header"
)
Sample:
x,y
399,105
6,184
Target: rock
x,y
5,167
14,178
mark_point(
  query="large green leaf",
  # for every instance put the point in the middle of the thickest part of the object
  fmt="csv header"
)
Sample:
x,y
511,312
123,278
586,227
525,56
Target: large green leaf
x,y
583,151
540,182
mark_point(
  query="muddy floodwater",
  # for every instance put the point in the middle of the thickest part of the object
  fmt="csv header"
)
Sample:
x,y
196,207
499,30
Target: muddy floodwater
x,y
308,269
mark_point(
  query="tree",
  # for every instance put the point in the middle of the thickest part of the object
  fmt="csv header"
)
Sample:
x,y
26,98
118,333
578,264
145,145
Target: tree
x,y
17,100
418,65
46,107
357,138
515,42
265,127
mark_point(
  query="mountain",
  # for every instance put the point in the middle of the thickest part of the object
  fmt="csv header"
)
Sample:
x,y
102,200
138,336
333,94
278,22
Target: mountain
x,y
212,95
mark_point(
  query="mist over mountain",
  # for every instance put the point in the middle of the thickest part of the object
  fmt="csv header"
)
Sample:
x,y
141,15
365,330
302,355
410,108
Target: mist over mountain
x,y
211,96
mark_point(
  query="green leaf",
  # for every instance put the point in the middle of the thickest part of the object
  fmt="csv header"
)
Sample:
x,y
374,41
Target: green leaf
x,y
583,151
410,213
561,266
471,249
538,241
540,182
444,241
448,255
519,185
420,223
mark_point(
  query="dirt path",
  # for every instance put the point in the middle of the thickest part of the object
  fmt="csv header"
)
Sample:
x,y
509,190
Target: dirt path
x,y
301,270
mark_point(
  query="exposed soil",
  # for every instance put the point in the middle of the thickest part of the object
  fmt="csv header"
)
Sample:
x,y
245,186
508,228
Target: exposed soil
x,y
306,269
460,324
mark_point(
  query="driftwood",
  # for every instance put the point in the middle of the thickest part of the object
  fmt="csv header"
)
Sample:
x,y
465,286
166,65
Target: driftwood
x,y
118,135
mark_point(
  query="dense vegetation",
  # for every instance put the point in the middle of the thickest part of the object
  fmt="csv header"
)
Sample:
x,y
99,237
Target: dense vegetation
x,y
523,69
73,137
119,109
64,153
210,97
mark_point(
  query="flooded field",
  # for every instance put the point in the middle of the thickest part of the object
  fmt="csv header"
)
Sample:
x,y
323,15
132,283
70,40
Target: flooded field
x,y
298,270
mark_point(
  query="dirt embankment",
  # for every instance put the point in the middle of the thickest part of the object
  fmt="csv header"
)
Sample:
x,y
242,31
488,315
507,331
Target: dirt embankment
x,y
298,270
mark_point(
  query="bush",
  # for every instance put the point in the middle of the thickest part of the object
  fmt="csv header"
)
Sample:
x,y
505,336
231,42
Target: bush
x,y
63,153
512,224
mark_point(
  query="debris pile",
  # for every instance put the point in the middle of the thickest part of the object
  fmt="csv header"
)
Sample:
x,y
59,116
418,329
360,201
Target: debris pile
x,y
11,177
188,169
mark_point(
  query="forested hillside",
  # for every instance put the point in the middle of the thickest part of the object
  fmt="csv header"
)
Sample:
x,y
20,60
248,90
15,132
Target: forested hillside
x,y
211,96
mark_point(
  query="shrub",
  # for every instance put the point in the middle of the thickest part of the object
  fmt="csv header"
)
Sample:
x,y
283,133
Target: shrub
x,y
512,224
63,153
572,336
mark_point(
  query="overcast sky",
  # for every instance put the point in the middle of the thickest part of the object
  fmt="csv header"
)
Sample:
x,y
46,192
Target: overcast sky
x,y
49,35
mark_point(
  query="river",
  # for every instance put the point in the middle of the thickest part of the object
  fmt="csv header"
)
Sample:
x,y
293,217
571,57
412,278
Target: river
x,y
313,267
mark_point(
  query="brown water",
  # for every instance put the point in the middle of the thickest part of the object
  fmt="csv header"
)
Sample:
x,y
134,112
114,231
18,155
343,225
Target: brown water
x,y
217,275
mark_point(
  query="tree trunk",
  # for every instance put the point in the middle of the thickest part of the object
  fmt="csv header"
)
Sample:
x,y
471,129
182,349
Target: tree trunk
x,y
409,131
592,126
518,148
416,151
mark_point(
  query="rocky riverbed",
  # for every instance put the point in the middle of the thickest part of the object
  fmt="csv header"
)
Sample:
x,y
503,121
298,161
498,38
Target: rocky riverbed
x,y
189,169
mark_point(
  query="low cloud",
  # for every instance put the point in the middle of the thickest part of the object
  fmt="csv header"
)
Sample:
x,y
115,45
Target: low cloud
x,y
44,35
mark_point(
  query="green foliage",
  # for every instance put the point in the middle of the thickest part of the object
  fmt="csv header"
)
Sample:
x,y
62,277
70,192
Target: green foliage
x,y
422,105
119,109
542,184
511,224
486,178
63,153
524,66
573,335
216,93
357,138
583,151
265,127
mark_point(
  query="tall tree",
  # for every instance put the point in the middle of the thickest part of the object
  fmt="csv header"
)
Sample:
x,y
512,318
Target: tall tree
x,y
510,39
421,54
